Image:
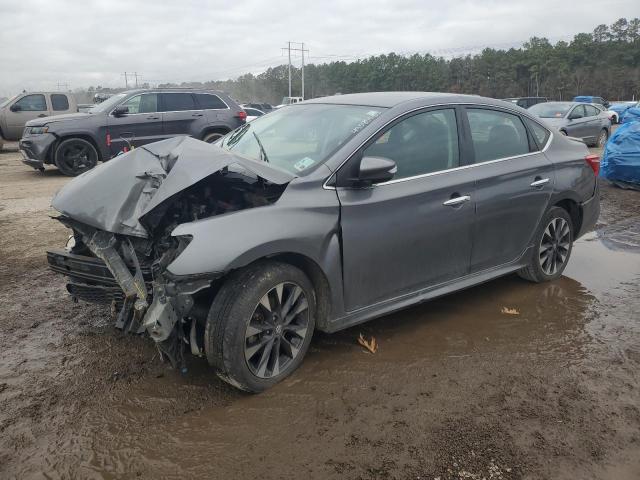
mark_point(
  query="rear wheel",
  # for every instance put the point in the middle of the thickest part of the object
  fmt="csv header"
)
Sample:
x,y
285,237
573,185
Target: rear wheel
x,y
74,156
260,325
552,248
212,137
602,138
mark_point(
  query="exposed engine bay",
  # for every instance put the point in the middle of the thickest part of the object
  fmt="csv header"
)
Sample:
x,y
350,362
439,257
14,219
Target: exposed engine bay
x,y
143,295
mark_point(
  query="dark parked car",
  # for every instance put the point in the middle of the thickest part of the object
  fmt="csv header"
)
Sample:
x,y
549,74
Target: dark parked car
x,y
320,216
75,143
575,119
526,102
263,107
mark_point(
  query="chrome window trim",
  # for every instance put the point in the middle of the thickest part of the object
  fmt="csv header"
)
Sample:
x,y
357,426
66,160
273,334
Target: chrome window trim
x,y
430,174
172,111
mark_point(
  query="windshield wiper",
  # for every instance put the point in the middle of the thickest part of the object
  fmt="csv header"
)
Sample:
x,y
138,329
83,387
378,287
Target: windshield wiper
x,y
262,150
237,135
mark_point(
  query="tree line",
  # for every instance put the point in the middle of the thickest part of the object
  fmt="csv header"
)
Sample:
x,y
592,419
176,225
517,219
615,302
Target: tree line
x,y
605,63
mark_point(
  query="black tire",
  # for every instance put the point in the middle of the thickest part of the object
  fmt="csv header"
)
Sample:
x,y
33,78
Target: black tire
x,y
233,316
545,252
74,156
212,136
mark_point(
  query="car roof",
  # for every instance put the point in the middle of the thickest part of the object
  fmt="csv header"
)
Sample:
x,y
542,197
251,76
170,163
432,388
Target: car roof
x,y
391,99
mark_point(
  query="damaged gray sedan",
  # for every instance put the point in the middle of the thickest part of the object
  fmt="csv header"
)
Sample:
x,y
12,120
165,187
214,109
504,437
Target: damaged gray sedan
x,y
320,216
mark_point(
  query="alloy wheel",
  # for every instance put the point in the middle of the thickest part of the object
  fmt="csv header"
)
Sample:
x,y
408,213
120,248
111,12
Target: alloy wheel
x,y
77,157
554,246
276,330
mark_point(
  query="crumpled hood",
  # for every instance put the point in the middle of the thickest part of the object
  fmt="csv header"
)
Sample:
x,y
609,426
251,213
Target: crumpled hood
x,y
39,122
116,194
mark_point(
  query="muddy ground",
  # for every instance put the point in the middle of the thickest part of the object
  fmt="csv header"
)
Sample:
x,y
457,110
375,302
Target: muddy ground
x,y
457,389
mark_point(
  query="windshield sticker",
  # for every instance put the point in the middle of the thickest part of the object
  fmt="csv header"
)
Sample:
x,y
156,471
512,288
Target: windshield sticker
x,y
371,114
303,164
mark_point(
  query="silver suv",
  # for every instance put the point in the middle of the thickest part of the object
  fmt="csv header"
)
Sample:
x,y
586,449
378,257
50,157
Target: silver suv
x,y
75,143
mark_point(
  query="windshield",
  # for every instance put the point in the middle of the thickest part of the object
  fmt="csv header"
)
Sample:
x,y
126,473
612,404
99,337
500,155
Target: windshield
x,y
8,101
299,137
551,109
108,104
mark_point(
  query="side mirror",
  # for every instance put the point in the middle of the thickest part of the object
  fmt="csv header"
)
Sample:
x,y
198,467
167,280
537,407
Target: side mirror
x,y
574,116
15,108
120,110
376,169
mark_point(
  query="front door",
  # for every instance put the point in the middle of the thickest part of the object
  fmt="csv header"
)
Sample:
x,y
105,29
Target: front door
x,y
514,182
24,109
142,123
413,231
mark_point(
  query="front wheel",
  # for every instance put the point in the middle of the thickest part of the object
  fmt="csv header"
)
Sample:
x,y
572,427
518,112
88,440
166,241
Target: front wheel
x,y
74,156
552,248
260,325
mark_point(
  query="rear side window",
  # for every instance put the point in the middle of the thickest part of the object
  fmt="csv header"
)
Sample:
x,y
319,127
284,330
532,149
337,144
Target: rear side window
x,y
59,102
423,143
496,134
32,103
540,133
208,101
175,102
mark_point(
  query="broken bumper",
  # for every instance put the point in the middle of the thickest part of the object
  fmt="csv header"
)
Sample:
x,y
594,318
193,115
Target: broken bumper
x,y
34,149
89,278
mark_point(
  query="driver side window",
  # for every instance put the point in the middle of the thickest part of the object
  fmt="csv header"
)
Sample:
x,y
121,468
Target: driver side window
x,y
147,103
577,112
423,143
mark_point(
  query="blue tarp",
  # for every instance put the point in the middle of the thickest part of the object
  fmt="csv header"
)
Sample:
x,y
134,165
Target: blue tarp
x,y
631,115
583,98
621,158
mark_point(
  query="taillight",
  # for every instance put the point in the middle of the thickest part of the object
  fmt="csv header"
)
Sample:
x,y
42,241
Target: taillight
x,y
594,163
242,115
108,139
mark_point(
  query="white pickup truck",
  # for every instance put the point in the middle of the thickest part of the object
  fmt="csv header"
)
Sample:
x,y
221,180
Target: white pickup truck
x,y
18,110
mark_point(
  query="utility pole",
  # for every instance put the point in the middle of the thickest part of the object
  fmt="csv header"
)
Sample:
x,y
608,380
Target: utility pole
x,y
135,74
289,50
301,50
126,80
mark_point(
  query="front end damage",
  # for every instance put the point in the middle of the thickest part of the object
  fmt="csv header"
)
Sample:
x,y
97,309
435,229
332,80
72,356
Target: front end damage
x,y
122,215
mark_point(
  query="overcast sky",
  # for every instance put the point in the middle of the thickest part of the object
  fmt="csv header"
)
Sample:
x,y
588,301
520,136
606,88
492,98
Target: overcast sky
x,y
85,42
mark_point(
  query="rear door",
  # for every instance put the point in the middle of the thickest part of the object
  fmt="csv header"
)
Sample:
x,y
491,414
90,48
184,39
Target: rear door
x,y
593,123
214,108
141,125
413,231
24,109
514,181
180,114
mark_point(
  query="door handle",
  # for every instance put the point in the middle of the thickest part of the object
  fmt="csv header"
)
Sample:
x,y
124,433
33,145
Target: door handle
x,y
41,115
197,115
539,182
457,201
153,118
